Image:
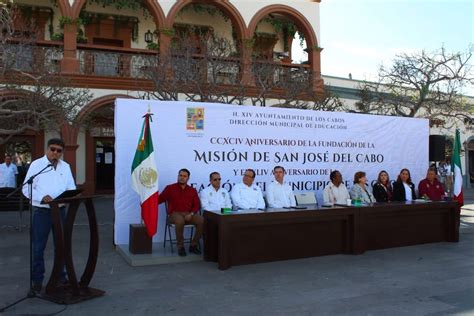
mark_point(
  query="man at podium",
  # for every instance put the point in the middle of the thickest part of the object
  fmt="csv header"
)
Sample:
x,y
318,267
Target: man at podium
x,y
54,178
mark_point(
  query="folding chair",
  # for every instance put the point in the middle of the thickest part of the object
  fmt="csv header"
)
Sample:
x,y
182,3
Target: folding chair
x,y
171,227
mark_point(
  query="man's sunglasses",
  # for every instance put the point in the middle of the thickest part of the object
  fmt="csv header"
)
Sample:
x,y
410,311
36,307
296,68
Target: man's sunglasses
x,y
54,149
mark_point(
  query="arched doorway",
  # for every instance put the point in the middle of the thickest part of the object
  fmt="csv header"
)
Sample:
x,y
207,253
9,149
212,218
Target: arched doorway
x,y
211,32
101,138
97,119
287,22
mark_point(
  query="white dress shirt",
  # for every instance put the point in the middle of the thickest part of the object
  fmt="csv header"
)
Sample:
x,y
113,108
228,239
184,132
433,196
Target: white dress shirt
x,y
8,175
280,195
335,195
408,195
212,200
246,197
51,182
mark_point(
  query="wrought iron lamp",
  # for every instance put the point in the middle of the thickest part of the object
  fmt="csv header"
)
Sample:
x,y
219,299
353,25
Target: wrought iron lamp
x,y
148,37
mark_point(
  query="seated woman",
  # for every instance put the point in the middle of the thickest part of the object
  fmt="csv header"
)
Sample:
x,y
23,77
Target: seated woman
x,y
431,188
382,189
403,188
360,189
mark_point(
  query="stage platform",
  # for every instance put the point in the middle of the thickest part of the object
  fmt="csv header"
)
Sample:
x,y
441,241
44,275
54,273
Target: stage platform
x,y
158,256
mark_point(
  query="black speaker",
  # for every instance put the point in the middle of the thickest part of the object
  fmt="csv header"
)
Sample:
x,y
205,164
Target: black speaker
x,y
437,147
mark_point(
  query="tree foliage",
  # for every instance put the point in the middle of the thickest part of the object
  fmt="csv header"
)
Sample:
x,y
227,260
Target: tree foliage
x,y
422,84
34,96
208,68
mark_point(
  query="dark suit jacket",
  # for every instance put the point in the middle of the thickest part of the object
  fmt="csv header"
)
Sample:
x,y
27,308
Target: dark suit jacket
x,y
379,193
399,191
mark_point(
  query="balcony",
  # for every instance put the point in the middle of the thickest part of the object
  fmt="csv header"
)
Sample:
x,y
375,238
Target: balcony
x,y
271,74
105,47
40,57
206,69
106,67
104,61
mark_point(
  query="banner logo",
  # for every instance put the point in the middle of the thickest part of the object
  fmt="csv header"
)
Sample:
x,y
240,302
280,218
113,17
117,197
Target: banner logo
x,y
195,119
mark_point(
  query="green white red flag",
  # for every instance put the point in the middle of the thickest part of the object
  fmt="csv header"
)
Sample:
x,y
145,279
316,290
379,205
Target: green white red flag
x,y
457,170
145,177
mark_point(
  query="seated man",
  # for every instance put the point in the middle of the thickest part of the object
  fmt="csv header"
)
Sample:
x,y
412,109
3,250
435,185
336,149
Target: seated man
x,y
335,192
213,197
430,187
246,195
279,193
183,208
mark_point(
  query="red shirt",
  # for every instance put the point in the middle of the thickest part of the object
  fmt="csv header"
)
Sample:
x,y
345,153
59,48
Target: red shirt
x,y
179,199
435,190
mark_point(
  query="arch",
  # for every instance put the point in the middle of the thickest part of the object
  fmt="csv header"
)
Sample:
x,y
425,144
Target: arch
x,y
90,172
64,7
234,15
299,19
152,5
98,103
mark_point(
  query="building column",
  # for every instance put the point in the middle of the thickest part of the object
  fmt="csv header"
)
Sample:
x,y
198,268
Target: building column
x,y
69,135
166,36
165,40
315,62
70,63
89,185
247,76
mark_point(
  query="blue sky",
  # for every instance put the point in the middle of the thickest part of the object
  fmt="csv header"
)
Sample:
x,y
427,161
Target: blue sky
x,y
359,35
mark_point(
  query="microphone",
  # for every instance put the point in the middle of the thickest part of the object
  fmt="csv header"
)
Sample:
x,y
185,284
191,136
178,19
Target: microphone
x,y
53,163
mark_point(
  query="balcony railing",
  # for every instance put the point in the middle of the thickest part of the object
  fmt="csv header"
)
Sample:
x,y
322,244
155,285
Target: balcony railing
x,y
206,69
193,69
39,57
115,62
277,75
224,71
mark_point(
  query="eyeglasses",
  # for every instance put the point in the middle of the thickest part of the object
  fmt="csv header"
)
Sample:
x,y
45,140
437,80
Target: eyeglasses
x,y
54,149
216,179
248,175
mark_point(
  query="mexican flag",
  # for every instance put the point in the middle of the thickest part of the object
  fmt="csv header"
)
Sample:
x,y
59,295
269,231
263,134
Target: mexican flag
x,y
457,171
145,177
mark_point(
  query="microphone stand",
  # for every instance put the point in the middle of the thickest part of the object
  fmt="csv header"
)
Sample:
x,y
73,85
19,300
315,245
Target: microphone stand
x,y
31,292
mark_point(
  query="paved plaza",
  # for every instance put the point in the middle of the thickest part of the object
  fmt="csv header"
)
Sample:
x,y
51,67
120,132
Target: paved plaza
x,y
430,279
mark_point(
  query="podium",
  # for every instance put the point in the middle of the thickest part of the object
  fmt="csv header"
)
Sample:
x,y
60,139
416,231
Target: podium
x,y
76,291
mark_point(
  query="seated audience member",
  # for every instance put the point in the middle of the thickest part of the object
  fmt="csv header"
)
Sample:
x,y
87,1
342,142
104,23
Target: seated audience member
x,y
335,192
382,189
247,195
213,197
360,190
279,193
183,208
431,188
403,188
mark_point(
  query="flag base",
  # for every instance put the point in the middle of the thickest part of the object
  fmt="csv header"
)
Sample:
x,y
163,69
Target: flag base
x,y
139,241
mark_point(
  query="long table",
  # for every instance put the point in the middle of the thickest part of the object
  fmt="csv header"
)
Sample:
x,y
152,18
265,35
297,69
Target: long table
x,y
254,236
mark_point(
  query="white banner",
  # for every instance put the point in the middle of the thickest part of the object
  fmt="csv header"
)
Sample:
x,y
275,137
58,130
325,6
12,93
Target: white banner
x,y
230,139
